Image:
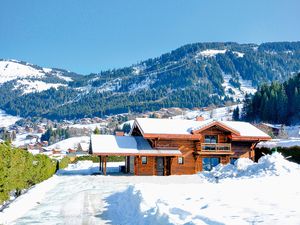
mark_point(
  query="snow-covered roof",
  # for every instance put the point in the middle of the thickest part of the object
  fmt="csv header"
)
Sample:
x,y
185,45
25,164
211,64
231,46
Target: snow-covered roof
x,y
245,129
178,126
131,145
84,146
168,126
69,143
284,143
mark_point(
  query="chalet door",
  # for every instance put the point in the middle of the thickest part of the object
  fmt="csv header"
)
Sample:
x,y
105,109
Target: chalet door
x,y
160,166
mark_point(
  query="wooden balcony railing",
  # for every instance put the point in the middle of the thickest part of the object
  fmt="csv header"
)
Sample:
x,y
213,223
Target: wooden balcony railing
x,y
209,148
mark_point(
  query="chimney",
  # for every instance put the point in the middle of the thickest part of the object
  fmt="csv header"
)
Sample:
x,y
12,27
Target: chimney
x,y
199,118
119,133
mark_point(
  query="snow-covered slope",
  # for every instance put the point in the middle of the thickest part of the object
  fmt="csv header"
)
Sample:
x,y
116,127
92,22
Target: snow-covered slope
x,y
12,69
70,143
29,86
30,78
7,120
238,93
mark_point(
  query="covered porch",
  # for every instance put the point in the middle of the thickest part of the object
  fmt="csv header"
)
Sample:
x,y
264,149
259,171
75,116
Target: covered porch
x,y
140,157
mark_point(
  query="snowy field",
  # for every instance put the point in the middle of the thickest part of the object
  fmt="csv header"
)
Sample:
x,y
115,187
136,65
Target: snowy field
x,y
7,120
267,192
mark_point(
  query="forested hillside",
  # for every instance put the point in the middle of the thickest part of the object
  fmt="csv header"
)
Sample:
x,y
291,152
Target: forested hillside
x,y
276,103
195,75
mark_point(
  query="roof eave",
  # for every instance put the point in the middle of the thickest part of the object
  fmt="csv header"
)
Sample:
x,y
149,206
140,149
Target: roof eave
x,y
173,136
251,138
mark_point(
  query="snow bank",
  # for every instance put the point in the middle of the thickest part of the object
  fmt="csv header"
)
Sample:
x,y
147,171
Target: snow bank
x,y
262,198
269,165
27,201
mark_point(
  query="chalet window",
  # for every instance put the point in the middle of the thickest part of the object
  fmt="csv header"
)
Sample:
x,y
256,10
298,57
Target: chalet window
x,y
209,163
180,160
144,159
213,139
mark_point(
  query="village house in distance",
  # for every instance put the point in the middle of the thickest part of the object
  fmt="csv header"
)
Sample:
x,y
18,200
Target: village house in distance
x,y
176,147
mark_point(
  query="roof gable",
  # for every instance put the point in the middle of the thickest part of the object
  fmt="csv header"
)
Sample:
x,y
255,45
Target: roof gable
x,y
217,124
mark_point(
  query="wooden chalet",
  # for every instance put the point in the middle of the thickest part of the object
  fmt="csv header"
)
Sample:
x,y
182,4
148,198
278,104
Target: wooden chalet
x,y
176,147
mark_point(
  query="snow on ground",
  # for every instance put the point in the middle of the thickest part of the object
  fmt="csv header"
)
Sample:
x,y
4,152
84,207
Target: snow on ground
x,y
10,70
6,120
29,86
239,94
144,84
211,52
68,79
71,143
26,138
285,143
91,126
112,85
292,131
239,54
222,113
266,192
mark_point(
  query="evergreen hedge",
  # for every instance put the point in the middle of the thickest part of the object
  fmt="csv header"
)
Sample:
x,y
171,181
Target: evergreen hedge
x,y
64,162
20,169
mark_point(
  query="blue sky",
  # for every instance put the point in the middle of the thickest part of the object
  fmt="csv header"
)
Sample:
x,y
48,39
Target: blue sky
x,y
94,35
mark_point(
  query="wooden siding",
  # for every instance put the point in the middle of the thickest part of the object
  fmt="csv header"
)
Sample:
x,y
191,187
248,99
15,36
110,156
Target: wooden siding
x,y
145,169
187,149
222,135
242,149
190,149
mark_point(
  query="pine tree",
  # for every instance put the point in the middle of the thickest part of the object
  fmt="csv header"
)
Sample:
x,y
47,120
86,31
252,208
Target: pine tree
x,y
96,131
236,114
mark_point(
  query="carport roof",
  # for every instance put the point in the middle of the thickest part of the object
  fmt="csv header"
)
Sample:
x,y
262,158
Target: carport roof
x,y
126,145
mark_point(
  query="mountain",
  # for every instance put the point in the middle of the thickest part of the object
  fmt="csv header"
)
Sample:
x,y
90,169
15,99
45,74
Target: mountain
x,y
28,78
194,75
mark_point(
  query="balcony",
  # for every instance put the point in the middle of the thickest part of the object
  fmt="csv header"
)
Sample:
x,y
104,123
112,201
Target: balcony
x,y
214,148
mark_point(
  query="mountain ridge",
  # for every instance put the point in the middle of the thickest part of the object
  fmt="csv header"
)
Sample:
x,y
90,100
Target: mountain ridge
x,y
194,75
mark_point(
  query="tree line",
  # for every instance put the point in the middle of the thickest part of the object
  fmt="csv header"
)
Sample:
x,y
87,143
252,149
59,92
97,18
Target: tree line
x,y
275,103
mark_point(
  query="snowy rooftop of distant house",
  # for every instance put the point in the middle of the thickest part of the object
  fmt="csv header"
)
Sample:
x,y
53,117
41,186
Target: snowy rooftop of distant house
x,y
170,126
70,143
131,145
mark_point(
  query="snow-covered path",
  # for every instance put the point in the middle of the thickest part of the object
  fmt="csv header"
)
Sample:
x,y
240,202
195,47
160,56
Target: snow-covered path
x,y
267,192
74,200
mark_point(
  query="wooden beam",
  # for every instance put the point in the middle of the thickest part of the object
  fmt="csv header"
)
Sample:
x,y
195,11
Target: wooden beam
x,y
105,161
137,154
165,166
250,138
173,136
100,163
